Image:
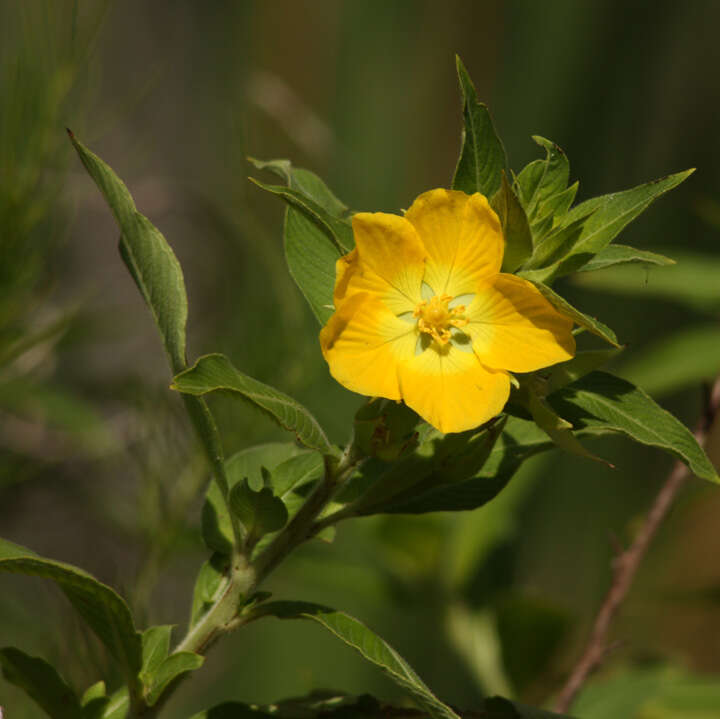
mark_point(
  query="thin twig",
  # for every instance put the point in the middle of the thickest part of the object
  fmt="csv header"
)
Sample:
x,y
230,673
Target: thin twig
x,y
626,564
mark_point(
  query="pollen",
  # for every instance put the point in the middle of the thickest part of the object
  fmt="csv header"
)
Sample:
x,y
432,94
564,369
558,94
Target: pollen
x,y
435,317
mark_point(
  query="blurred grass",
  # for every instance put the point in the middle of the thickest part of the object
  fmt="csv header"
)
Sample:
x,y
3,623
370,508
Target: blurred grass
x,y
174,96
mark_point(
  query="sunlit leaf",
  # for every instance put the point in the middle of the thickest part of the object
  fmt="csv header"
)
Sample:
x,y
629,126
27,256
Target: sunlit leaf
x,y
368,644
622,255
602,402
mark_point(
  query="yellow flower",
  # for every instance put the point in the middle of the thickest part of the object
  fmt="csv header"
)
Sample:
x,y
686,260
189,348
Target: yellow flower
x,y
424,315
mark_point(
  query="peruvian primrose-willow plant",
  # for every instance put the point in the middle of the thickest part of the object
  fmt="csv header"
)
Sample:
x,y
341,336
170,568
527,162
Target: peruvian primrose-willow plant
x,y
444,317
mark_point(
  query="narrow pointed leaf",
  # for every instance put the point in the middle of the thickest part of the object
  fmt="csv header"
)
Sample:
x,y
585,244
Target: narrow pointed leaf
x,y
542,179
622,255
609,214
368,644
586,321
584,362
311,248
148,256
482,155
41,682
214,372
599,401
339,230
101,607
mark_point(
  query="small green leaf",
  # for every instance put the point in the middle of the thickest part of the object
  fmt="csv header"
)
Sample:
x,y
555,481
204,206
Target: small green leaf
x,y
148,257
516,230
311,249
259,512
553,248
543,179
94,692
296,472
173,667
609,214
215,372
679,361
602,402
620,255
155,648
338,230
41,682
482,155
216,527
693,281
589,323
368,644
101,607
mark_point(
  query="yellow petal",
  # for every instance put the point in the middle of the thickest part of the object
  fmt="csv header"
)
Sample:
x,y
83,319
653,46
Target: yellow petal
x,y
462,237
363,343
513,327
388,261
451,389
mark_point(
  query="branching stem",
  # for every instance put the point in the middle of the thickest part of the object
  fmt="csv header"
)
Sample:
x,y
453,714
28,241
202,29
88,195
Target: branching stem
x,y
626,564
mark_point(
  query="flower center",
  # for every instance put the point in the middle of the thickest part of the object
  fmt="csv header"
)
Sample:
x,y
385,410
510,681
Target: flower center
x,y
435,317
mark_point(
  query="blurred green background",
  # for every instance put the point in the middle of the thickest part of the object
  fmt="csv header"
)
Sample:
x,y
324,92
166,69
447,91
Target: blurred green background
x,y
97,466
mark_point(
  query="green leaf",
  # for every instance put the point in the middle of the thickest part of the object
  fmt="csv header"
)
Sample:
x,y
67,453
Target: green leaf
x,y
260,512
589,323
543,179
311,249
148,257
368,644
681,360
296,472
339,230
155,648
482,155
582,363
557,245
216,527
305,182
41,682
516,230
620,255
692,281
215,372
608,215
101,607
173,667
602,402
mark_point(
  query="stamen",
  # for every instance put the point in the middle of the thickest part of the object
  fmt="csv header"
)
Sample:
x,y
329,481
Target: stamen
x,y
435,317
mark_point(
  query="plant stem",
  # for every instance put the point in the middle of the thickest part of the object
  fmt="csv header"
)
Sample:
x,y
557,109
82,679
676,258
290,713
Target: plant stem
x,y
627,563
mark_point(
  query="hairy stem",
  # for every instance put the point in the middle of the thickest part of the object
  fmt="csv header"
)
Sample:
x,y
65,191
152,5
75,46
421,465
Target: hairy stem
x,y
626,564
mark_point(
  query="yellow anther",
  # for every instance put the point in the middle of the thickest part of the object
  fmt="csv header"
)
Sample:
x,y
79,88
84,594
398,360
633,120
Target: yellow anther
x,y
435,317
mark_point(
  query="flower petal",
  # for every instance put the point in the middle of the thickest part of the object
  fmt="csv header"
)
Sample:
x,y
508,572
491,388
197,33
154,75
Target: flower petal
x,y
388,261
513,327
363,343
462,237
451,389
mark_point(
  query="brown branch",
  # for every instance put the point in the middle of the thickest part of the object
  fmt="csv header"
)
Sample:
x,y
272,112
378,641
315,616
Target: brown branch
x,y
626,563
